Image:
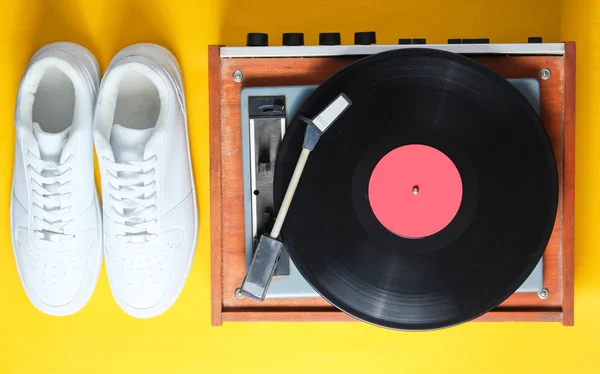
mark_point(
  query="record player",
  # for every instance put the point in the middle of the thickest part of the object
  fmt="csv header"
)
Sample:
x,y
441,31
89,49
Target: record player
x,y
259,94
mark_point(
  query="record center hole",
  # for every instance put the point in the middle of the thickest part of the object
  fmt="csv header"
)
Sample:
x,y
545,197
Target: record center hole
x,y
256,192
415,190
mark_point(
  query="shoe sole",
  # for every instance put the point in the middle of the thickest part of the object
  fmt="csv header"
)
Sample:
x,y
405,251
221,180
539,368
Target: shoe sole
x,y
89,65
164,58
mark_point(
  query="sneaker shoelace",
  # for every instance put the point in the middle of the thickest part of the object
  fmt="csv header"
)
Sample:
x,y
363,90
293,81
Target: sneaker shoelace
x,y
51,198
133,193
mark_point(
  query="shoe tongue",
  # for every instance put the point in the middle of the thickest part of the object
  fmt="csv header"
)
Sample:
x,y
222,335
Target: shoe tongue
x,y
128,144
50,144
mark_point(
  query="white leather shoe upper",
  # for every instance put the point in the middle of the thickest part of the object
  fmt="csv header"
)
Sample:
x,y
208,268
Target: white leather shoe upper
x,y
149,204
55,215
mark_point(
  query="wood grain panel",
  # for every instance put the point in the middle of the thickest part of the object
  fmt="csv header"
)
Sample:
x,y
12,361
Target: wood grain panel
x,y
568,248
328,315
216,221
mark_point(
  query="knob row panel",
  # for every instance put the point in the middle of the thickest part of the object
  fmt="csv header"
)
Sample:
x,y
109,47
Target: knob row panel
x,y
257,39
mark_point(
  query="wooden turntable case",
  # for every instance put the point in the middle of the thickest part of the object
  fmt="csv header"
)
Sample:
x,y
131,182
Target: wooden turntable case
x,y
228,263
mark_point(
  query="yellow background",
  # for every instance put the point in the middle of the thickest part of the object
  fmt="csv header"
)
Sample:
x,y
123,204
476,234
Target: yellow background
x,y
102,338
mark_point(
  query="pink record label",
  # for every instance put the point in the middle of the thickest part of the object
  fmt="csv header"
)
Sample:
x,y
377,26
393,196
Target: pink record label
x,y
415,191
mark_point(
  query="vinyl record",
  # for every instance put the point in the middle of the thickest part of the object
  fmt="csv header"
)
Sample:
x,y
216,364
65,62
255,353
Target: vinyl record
x,y
429,201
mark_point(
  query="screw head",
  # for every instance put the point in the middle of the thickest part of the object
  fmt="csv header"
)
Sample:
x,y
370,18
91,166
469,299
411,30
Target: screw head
x,y
545,73
239,294
238,76
544,293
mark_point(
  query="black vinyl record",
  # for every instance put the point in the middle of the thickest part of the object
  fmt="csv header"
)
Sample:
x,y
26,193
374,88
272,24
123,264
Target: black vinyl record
x,y
504,210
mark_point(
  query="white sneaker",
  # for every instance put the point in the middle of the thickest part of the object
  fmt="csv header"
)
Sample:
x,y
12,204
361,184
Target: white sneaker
x,y
55,215
149,203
